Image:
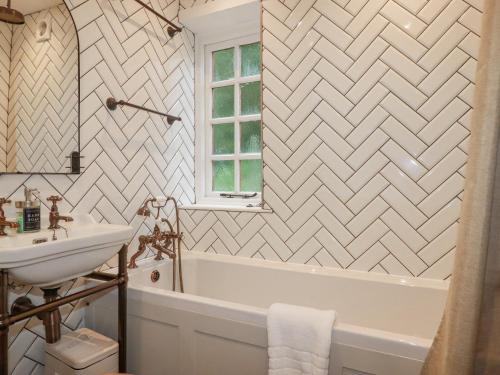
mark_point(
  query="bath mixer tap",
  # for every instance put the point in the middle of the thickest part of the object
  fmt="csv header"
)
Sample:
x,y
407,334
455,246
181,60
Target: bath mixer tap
x,y
166,242
158,240
3,221
163,250
54,216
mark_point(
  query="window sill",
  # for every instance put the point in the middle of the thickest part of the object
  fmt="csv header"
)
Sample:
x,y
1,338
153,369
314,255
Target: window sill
x,y
225,207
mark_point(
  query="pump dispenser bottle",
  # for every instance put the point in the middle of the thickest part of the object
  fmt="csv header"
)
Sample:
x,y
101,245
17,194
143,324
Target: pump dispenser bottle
x,y
31,211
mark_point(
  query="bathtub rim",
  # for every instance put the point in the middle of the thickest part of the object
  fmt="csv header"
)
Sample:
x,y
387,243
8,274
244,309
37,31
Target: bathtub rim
x,y
407,281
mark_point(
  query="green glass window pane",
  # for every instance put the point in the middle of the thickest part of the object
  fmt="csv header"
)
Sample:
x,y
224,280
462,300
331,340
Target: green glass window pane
x,y
223,63
250,136
250,98
223,175
223,105
251,175
223,137
250,59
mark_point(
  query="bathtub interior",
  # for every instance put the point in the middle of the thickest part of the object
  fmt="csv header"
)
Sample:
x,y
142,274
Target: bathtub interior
x,y
400,305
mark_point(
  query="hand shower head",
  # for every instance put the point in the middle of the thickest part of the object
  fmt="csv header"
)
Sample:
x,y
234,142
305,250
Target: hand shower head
x,y
9,15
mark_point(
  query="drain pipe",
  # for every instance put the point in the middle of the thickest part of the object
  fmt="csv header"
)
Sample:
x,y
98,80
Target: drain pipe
x,y
51,319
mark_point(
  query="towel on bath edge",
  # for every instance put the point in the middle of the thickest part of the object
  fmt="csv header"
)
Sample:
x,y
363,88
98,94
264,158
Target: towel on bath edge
x,y
299,340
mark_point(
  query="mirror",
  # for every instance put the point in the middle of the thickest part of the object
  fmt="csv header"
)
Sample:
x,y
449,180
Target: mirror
x,y
39,88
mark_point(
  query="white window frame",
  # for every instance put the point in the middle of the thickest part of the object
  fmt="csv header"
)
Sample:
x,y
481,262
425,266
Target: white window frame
x,y
203,158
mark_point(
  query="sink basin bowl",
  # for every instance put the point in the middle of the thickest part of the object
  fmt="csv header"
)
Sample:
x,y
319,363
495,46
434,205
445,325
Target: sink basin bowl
x,y
84,246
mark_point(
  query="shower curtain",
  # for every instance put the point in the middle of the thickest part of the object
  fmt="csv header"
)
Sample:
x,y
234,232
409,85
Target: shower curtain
x,y
468,340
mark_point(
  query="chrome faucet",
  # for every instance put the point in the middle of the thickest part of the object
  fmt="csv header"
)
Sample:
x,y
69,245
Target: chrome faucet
x,y
54,216
3,221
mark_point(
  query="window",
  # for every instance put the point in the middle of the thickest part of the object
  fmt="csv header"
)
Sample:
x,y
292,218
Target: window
x,y
232,150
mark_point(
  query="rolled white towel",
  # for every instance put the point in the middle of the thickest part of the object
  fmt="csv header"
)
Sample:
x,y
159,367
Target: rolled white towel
x,y
299,340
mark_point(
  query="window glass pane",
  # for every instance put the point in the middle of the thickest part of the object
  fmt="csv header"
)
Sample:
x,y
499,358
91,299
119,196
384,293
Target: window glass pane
x,y
223,175
223,136
250,136
223,63
250,98
223,101
251,175
250,59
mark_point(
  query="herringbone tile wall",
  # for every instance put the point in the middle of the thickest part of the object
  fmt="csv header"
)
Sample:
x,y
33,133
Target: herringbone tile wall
x,y
365,129
43,94
125,52
366,122
5,38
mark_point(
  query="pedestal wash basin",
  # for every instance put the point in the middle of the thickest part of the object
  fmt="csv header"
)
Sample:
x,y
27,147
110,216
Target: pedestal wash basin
x,y
81,247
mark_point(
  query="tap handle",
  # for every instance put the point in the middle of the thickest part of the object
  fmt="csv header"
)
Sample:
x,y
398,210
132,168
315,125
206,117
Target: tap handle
x,y
54,199
4,201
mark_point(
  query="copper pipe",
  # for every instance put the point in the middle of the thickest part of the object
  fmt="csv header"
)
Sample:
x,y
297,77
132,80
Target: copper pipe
x,y
122,309
112,104
179,241
59,302
4,330
52,318
140,250
101,276
174,268
172,30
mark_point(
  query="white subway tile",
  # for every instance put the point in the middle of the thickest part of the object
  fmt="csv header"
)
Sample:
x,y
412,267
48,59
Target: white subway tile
x,y
403,18
403,160
403,183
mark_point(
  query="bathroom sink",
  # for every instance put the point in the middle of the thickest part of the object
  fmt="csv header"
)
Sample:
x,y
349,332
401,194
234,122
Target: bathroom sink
x,y
78,250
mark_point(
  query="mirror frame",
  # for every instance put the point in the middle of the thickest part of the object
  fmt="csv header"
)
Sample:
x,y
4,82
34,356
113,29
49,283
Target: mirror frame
x,y
79,122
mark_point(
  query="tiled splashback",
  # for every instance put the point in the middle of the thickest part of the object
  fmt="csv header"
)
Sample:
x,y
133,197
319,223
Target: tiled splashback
x,y
43,99
366,120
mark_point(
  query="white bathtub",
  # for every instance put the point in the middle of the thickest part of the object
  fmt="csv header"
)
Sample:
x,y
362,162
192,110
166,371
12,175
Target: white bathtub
x,y
385,324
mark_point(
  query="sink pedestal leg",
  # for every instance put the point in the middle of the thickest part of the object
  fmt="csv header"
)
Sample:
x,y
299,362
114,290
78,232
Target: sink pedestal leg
x,y
122,309
4,328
